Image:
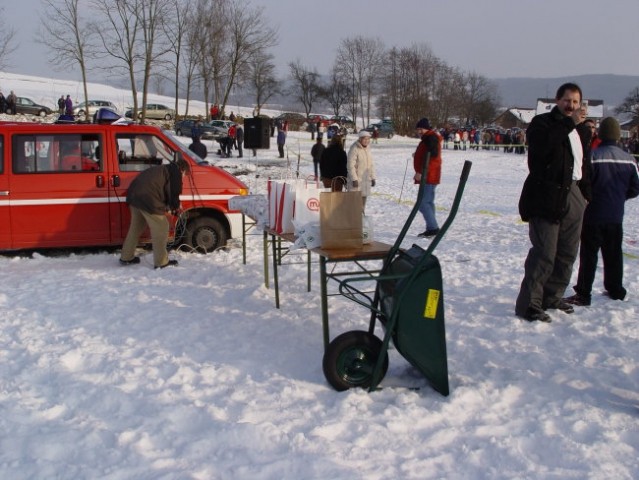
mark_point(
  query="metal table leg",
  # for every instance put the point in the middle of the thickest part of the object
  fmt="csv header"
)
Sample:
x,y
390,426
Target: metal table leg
x,y
324,300
265,257
276,247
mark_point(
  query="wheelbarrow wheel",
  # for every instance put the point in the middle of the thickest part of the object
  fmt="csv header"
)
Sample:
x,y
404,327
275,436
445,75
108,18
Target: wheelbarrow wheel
x,y
350,359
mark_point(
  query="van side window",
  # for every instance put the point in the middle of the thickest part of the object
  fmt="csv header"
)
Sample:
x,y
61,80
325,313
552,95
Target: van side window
x,y
56,153
137,152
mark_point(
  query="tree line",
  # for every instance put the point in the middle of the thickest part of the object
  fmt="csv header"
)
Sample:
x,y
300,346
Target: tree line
x,y
215,47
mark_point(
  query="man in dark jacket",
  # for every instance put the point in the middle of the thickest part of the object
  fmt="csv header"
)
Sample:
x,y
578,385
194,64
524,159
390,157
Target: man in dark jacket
x,y
151,194
239,140
332,165
316,152
552,201
198,147
614,180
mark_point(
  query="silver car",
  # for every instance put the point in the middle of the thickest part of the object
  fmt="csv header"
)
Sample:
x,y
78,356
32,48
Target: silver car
x,y
154,111
90,107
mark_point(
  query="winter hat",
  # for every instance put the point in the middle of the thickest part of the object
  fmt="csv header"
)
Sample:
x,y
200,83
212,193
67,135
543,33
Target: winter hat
x,y
364,133
423,123
609,129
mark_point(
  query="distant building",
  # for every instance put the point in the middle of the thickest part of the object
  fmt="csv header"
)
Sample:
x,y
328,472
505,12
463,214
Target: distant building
x,y
515,118
595,107
630,128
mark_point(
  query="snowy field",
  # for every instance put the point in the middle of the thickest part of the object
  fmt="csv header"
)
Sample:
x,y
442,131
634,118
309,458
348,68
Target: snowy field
x,y
117,372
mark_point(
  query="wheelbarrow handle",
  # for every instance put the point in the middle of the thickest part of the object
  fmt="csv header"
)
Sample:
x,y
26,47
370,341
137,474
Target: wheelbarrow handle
x,y
453,209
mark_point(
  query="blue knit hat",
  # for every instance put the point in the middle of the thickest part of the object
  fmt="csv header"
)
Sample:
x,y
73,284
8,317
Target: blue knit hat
x,y
423,123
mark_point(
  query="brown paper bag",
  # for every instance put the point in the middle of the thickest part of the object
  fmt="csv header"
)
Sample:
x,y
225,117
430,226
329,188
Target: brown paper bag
x,y
341,219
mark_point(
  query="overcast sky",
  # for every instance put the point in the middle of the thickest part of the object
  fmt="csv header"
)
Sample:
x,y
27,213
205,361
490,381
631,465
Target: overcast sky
x,y
495,38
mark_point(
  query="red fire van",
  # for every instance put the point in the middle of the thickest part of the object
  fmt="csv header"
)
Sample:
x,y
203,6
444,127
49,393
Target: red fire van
x,y
64,185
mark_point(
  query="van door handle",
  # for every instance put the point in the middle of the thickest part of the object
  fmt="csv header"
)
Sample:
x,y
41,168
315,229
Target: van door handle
x,y
4,193
99,181
115,180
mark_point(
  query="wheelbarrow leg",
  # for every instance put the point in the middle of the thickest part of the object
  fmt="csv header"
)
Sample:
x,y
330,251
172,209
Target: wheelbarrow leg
x,y
375,304
378,370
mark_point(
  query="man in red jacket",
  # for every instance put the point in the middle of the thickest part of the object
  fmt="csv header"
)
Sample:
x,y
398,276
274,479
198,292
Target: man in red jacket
x,y
430,143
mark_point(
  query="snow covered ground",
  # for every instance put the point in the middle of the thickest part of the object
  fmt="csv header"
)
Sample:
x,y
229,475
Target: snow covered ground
x,y
191,373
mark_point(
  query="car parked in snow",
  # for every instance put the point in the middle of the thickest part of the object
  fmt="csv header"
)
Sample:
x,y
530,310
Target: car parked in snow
x,y
86,109
324,120
184,128
29,107
385,129
154,111
295,120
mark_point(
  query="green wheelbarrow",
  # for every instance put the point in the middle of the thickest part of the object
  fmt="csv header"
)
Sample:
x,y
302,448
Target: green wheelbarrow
x,y
408,301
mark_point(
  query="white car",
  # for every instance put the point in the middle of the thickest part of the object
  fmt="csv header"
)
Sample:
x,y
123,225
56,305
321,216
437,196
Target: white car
x,y
92,106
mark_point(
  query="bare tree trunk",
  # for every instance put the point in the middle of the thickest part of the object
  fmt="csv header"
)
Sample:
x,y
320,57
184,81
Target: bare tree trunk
x,y
67,42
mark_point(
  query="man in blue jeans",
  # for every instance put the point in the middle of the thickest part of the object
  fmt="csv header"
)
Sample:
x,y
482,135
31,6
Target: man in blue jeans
x,y
430,143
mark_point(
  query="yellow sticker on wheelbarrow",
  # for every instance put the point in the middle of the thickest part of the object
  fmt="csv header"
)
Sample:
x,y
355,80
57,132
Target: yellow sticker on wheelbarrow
x,y
432,301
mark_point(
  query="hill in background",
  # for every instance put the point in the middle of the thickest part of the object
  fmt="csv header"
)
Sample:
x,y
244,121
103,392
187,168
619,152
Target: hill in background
x,y
524,92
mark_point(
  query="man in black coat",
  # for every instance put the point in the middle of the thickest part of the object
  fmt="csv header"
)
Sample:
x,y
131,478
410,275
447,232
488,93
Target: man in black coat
x,y
239,140
151,194
316,152
333,170
552,201
198,147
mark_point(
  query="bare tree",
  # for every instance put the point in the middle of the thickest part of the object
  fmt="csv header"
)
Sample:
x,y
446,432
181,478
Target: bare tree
x,y
152,16
209,39
133,38
191,56
630,104
7,41
359,60
67,42
477,97
262,79
305,84
119,38
336,92
447,84
248,36
176,31
408,81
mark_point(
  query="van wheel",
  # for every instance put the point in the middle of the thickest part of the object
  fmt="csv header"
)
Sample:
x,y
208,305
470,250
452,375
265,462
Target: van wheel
x,y
206,234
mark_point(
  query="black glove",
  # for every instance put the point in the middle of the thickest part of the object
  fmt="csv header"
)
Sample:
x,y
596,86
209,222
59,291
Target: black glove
x,y
373,182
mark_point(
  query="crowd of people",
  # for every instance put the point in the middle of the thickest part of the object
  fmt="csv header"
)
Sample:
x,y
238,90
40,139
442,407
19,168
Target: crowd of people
x,y
510,140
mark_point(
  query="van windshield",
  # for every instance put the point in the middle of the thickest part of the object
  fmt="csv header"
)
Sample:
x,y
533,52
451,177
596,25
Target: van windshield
x,y
184,149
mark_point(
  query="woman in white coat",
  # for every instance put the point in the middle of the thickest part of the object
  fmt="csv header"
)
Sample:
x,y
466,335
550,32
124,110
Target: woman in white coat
x,y
361,171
